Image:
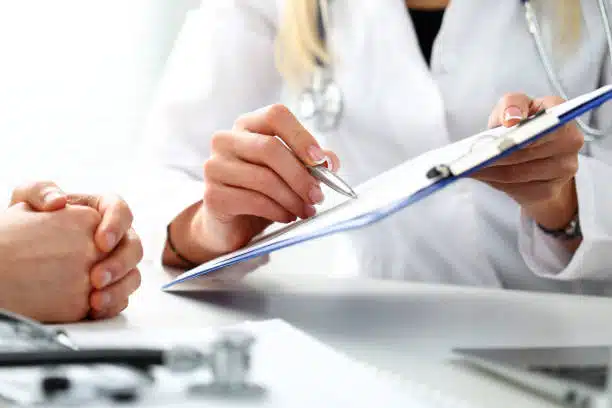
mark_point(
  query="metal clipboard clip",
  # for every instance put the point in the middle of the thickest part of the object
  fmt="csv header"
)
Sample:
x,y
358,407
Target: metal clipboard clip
x,y
490,146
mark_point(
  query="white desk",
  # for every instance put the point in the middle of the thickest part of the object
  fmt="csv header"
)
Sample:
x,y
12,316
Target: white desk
x,y
402,327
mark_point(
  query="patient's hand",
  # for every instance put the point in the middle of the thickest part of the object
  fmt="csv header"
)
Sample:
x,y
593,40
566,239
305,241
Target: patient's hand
x,y
114,276
46,257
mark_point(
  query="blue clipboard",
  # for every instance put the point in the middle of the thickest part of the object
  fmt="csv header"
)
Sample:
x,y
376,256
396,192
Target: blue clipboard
x,y
504,143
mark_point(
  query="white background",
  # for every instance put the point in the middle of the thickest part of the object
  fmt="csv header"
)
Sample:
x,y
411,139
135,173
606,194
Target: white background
x,y
76,78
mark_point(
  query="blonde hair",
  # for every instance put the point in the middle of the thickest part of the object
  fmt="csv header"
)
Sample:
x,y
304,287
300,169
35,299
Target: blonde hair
x,y
298,44
569,21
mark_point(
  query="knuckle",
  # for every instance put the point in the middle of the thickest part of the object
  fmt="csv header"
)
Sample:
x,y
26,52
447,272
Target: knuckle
x,y
82,218
304,183
137,243
89,216
137,249
137,280
264,179
124,305
212,197
124,207
208,168
277,113
29,188
575,139
211,168
569,165
218,141
268,146
552,100
240,122
511,98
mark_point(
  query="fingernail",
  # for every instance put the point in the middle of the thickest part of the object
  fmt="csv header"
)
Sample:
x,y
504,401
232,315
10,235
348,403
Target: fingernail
x,y
310,211
316,154
105,300
111,239
513,113
106,278
52,195
330,164
316,195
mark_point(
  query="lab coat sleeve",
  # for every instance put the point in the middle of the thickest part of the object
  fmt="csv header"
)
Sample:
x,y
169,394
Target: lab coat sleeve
x,y
593,260
221,66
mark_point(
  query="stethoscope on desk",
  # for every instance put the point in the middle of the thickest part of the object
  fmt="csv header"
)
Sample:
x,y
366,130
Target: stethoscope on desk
x,y
322,102
25,343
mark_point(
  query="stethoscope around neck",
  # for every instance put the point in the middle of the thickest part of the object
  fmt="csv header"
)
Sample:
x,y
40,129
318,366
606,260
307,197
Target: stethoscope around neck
x,y
322,102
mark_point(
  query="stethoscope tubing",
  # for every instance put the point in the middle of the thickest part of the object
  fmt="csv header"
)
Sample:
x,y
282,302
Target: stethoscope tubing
x,y
327,118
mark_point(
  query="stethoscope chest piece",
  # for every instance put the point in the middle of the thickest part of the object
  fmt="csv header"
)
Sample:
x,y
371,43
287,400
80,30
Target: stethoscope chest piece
x,y
322,103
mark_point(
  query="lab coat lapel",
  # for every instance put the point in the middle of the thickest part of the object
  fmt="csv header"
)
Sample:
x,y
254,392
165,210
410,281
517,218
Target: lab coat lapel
x,y
417,93
376,41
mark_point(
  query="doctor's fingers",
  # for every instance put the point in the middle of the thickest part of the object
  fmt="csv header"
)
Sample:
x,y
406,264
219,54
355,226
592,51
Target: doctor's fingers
x,y
333,162
565,141
568,134
116,221
510,109
236,173
266,151
559,167
532,191
277,120
225,202
116,266
41,196
114,299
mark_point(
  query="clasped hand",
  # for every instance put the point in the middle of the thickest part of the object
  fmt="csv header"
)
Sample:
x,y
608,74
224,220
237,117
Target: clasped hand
x,y
79,259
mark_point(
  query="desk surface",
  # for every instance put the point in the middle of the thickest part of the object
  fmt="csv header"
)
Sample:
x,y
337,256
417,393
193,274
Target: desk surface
x,y
406,328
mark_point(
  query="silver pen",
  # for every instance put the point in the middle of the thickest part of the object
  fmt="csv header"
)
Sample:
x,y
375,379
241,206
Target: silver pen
x,y
325,175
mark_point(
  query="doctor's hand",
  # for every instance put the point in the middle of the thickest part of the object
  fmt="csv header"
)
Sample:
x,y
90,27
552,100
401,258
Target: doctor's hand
x,y
115,276
540,177
251,180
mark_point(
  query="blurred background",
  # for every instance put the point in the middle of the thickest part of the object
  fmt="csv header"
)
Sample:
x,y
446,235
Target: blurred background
x,y
76,79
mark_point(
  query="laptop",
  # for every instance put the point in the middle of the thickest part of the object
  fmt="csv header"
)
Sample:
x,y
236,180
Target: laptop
x,y
571,376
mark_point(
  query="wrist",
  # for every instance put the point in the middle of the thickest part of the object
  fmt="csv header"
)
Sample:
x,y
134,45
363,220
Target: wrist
x,y
185,241
557,212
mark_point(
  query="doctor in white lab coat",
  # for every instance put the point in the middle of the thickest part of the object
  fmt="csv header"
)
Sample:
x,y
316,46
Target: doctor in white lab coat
x,y
401,99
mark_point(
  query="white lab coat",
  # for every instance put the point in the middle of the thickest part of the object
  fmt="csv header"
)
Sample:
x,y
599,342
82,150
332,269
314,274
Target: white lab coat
x,y
396,107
